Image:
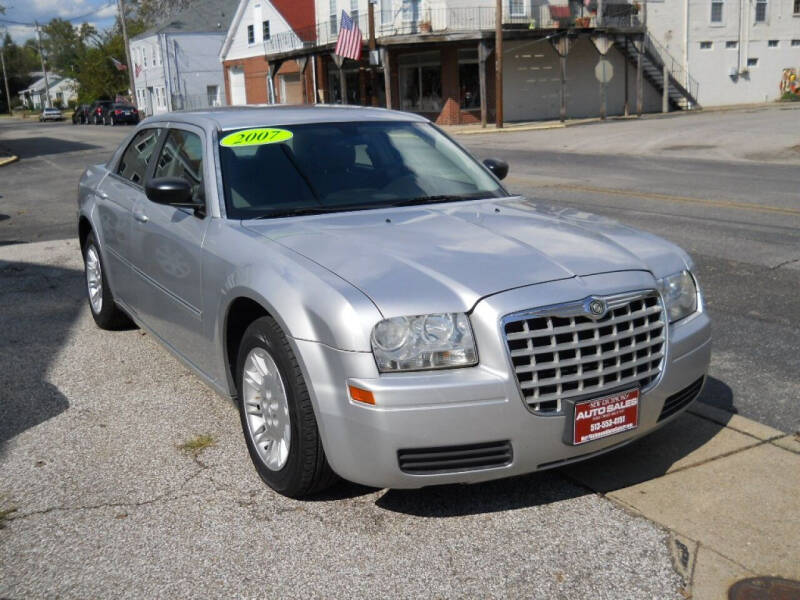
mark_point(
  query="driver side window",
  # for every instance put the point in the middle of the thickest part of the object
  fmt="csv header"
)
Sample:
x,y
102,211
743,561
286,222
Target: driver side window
x,y
182,157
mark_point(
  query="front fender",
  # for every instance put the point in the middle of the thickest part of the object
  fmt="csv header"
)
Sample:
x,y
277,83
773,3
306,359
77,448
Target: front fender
x,y
308,301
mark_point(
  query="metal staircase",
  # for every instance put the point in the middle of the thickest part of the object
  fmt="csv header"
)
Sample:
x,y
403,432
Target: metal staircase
x,y
683,87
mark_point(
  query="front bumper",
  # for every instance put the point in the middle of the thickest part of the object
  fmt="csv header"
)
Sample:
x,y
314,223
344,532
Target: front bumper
x,y
479,404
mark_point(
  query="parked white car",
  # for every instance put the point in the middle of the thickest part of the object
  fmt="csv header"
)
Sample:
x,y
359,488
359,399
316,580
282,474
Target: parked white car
x,y
51,114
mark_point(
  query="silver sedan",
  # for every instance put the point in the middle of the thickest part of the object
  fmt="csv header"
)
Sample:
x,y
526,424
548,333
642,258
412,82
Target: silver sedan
x,y
378,305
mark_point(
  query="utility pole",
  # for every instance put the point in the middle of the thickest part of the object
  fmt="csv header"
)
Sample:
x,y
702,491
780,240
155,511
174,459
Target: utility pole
x,y
498,63
121,9
372,53
44,67
5,78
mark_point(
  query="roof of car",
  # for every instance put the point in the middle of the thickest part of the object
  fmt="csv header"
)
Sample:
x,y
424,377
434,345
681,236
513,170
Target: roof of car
x,y
236,117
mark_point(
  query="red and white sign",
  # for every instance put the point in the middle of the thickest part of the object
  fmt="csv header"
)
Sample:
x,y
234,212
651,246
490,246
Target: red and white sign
x,y
601,417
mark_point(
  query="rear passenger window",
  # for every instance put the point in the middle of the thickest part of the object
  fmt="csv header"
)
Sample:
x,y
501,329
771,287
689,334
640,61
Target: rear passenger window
x,y
133,164
182,156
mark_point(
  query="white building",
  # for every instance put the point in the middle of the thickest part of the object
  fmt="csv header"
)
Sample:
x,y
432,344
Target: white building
x,y
63,90
261,28
735,49
176,65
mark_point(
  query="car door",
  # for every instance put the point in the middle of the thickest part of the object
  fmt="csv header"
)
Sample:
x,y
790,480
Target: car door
x,y
167,244
116,197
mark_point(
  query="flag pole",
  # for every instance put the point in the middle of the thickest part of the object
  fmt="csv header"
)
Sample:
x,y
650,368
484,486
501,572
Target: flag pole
x,y
121,9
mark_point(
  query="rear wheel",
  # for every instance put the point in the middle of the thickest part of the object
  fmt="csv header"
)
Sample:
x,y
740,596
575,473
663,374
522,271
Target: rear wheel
x,y
105,312
276,414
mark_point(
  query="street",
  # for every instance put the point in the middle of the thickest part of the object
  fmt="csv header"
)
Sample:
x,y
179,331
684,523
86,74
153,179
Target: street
x,y
125,476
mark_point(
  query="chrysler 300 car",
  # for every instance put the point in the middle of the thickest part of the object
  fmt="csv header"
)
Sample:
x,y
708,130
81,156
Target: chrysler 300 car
x,y
378,305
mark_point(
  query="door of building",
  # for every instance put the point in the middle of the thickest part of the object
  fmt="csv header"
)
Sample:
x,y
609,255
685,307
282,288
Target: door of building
x,y
238,92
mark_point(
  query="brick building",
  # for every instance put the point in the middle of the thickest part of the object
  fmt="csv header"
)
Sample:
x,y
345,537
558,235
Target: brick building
x,y
259,28
436,58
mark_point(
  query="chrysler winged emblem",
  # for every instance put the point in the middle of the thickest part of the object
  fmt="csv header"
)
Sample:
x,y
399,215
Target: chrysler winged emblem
x,y
597,307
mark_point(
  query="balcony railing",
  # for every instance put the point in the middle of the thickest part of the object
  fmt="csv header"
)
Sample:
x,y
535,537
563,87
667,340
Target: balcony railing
x,y
537,15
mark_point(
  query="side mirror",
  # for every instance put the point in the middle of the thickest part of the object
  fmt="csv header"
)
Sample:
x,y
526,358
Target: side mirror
x,y
497,166
172,191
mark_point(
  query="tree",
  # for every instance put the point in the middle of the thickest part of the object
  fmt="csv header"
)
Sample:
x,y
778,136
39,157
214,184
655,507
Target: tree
x,y
97,76
20,62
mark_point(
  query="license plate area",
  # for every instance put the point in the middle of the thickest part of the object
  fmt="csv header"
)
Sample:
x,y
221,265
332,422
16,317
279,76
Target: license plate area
x,y
597,418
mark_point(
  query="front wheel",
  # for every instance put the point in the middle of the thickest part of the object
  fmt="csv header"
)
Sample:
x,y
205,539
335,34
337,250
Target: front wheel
x,y
105,312
276,414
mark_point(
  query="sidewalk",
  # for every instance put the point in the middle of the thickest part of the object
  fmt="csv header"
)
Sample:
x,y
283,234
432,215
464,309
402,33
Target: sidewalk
x,y
723,486
473,129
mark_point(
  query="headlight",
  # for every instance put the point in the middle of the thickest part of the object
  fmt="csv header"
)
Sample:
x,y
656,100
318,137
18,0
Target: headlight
x,y
680,295
437,341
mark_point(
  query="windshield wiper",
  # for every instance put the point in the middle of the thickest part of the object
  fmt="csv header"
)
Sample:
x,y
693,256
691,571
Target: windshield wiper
x,y
437,199
314,210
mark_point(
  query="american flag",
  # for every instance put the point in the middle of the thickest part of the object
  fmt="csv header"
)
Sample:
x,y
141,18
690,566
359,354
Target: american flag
x,y
348,44
120,66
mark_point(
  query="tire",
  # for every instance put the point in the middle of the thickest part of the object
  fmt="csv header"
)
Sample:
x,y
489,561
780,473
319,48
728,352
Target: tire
x,y
304,470
106,313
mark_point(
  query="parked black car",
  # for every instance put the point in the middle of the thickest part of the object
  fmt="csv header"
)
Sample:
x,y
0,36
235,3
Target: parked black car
x,y
97,109
81,114
120,112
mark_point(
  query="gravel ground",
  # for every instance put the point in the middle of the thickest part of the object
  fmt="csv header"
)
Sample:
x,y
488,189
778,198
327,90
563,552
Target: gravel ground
x,y
104,502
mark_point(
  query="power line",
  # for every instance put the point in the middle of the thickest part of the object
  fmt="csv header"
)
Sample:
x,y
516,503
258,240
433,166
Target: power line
x,y
77,18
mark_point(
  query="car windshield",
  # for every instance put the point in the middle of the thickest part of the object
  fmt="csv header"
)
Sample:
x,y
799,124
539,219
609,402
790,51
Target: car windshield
x,y
331,167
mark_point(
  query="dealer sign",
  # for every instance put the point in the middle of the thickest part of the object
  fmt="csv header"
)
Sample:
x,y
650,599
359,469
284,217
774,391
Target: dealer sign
x,y
601,417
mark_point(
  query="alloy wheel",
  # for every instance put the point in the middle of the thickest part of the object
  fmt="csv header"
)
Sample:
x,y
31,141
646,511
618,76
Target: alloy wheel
x,y
94,279
266,409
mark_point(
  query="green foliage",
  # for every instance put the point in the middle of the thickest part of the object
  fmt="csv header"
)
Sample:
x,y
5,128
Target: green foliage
x,y
20,60
790,97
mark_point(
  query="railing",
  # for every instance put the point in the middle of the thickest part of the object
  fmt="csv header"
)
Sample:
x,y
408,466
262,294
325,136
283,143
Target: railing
x,y
414,19
676,68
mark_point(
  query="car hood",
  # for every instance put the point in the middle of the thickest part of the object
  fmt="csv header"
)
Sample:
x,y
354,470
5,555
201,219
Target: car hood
x,y
446,257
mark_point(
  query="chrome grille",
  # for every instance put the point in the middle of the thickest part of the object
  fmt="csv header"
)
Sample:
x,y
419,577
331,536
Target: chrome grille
x,y
559,352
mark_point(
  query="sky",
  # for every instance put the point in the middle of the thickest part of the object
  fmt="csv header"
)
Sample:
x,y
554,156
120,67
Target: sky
x,y
99,13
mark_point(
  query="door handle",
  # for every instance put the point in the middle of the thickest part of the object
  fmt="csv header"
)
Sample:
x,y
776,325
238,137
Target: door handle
x,y
102,195
141,217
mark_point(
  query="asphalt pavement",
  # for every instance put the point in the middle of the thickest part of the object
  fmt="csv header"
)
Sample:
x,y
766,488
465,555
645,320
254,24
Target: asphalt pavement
x,y
100,496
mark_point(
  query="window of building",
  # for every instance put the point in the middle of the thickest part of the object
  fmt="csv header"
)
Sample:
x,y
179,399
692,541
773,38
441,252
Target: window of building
x,y
265,30
333,16
144,57
772,44
716,11
705,45
386,11
761,11
212,91
469,79
133,164
251,35
516,8
421,82
752,62
410,11
732,44
354,11
796,7
795,43
153,56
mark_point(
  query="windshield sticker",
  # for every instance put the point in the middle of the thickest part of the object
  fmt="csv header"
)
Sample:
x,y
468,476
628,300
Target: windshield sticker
x,y
255,137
